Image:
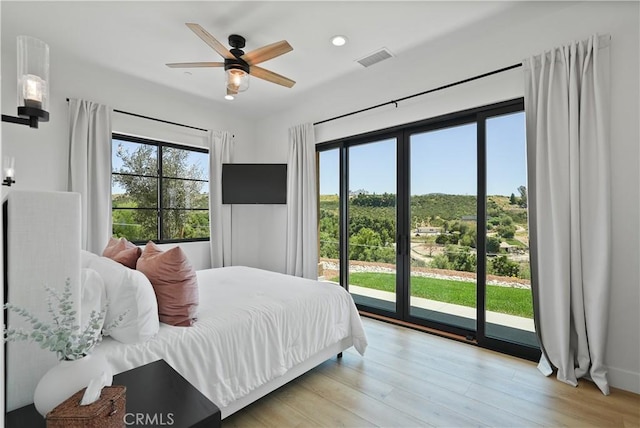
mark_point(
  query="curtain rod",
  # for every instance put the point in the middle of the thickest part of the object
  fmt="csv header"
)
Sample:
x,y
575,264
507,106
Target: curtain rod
x,y
459,82
158,120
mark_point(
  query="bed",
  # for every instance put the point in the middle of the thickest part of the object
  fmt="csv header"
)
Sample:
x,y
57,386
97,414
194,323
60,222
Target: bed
x,y
256,331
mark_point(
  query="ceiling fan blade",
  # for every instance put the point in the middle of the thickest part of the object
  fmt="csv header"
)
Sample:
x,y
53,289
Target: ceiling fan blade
x,y
270,76
210,40
267,52
194,64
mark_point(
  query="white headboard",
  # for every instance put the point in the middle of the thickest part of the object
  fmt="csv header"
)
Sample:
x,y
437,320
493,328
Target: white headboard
x,y
43,249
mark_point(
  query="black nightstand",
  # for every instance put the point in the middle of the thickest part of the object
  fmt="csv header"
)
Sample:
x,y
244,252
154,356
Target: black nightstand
x,y
154,390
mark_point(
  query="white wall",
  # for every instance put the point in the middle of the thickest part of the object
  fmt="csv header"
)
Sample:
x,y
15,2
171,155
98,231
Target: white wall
x,y
41,155
527,30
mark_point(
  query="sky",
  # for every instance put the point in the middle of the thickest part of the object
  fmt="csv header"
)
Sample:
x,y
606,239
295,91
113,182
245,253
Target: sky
x,y
442,161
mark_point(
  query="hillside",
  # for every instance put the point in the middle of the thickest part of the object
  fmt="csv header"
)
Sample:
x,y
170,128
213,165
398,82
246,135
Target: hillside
x,y
431,208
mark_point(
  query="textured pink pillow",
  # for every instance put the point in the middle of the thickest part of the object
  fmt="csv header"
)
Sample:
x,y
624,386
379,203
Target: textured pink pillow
x,y
122,251
174,281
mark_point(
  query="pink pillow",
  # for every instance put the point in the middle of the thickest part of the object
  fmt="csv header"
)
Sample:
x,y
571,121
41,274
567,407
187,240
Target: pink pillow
x,y
174,281
122,251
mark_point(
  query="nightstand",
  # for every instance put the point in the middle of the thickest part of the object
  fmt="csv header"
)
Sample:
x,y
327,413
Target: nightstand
x,y
157,395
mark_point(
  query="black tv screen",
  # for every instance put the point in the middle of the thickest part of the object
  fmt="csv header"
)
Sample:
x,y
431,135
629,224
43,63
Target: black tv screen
x,y
254,183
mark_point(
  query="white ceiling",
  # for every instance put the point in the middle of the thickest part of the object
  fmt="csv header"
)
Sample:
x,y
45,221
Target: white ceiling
x,y
138,38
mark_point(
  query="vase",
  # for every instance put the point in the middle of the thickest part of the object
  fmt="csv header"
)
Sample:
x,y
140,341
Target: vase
x,y
66,378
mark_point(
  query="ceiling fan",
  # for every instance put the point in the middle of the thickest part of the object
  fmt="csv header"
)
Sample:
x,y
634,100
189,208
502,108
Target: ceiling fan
x,y
237,64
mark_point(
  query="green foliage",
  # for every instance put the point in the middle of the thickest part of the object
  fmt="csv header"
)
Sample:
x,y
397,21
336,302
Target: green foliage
x,y
377,214
373,200
138,176
367,245
506,220
440,261
447,238
468,240
515,242
329,233
493,245
512,199
502,266
447,207
506,231
455,257
523,196
519,216
63,336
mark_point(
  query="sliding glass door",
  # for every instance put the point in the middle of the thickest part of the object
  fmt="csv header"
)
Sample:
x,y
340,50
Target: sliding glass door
x,y
442,206
508,300
427,223
372,214
329,215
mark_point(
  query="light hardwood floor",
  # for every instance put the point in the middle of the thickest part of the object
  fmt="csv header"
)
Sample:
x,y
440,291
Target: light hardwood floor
x,y
412,379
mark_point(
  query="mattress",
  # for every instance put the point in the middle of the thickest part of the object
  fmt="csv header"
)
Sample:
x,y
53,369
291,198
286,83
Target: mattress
x,y
253,326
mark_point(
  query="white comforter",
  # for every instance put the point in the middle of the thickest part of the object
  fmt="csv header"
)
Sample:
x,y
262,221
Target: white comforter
x,y
253,326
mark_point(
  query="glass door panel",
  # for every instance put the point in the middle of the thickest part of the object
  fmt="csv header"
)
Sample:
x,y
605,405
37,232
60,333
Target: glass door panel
x,y
509,306
372,224
329,216
442,213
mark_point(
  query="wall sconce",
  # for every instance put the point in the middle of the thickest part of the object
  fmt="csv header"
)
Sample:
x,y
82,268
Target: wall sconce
x,y
9,171
33,83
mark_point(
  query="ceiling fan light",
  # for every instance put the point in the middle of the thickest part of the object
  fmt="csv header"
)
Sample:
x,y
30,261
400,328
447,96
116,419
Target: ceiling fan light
x,y
237,80
229,97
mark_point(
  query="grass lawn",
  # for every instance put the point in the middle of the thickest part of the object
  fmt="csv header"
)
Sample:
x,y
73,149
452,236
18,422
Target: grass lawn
x,y
512,241
505,300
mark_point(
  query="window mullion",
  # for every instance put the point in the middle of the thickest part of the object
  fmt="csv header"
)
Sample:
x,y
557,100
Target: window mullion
x,y
159,203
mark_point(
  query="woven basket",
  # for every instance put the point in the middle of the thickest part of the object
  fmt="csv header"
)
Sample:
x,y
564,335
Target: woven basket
x,y
106,412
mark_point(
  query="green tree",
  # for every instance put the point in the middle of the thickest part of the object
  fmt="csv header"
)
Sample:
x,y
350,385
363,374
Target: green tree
x,y
462,258
523,196
440,261
512,199
455,257
493,245
138,178
502,266
506,231
366,245
329,246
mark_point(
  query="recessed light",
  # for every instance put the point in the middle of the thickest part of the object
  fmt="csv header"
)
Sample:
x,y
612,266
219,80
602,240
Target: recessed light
x,y
338,40
229,97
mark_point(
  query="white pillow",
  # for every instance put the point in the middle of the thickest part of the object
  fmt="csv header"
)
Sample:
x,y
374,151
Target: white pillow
x,y
128,291
86,257
93,295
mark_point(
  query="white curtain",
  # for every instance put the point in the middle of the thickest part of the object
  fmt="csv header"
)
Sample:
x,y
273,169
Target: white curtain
x,y
90,169
220,151
567,119
302,204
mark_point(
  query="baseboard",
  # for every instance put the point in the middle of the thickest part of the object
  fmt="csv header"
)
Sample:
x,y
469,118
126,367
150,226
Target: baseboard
x,y
624,379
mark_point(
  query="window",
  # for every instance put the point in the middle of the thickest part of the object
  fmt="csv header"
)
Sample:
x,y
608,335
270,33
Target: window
x,y
427,223
159,190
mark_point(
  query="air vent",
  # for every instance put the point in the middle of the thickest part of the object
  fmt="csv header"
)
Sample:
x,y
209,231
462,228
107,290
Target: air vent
x,y
374,58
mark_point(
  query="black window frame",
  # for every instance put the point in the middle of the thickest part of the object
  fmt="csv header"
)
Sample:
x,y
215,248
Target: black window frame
x,y
159,144
402,134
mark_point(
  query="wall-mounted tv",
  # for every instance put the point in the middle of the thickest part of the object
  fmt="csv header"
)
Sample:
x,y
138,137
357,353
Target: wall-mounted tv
x,y
254,183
